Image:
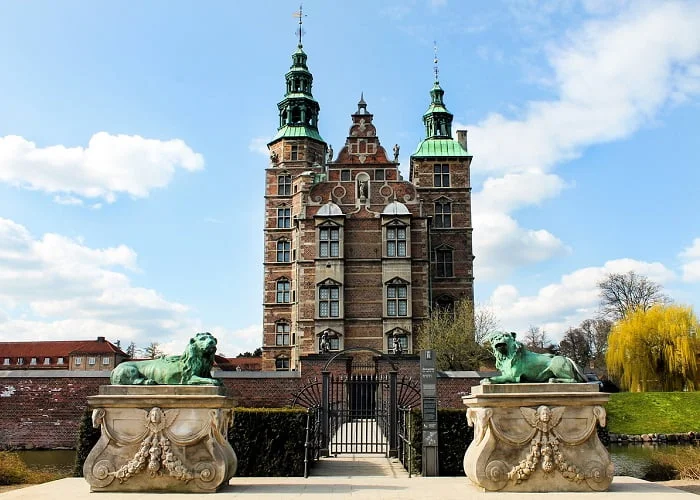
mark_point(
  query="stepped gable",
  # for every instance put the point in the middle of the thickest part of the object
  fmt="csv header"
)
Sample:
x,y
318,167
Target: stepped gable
x,y
362,146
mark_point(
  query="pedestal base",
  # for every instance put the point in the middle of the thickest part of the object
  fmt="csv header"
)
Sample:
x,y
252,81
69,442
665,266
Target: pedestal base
x,y
161,438
537,438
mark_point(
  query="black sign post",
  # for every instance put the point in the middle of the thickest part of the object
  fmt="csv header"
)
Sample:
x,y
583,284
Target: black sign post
x,y
430,419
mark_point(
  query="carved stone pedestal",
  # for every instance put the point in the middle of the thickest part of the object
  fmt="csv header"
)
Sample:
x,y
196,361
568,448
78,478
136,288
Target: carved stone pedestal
x,y
537,438
161,438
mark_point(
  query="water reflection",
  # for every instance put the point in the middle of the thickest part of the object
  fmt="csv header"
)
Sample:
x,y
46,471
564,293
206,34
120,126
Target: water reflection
x,y
635,459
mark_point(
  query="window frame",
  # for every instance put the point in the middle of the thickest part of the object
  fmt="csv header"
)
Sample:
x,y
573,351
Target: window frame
x,y
91,360
285,251
284,184
78,360
283,329
396,304
284,217
443,216
283,289
442,264
345,175
329,244
106,360
397,241
284,362
294,150
441,175
379,175
329,301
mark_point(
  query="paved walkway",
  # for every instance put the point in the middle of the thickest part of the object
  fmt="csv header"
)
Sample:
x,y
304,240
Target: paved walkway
x,y
359,465
350,488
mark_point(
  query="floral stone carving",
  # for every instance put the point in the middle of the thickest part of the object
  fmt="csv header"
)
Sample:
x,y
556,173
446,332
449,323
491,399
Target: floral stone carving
x,y
537,438
179,445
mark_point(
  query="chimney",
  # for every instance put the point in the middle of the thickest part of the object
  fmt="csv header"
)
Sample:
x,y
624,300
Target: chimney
x,y
462,139
100,339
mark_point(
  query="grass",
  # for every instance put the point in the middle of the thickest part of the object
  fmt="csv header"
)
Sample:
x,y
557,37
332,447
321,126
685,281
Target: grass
x,y
684,461
653,412
14,471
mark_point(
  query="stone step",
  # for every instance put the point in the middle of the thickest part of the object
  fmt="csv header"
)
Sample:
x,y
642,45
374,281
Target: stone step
x,y
359,465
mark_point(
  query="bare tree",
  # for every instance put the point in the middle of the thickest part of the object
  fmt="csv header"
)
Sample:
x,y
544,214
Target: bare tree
x,y
587,344
537,340
621,294
153,350
131,350
485,323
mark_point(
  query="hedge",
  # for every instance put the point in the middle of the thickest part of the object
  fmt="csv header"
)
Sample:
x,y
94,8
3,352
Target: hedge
x,y
267,442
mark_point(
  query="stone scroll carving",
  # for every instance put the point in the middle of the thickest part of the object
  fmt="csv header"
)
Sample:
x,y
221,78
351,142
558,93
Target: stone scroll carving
x,y
537,448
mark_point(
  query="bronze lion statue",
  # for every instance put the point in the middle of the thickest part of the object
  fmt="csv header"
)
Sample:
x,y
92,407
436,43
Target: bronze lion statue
x,y
193,367
518,364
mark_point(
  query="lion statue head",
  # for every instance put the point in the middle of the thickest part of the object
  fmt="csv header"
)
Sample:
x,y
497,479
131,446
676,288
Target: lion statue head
x,y
198,357
504,346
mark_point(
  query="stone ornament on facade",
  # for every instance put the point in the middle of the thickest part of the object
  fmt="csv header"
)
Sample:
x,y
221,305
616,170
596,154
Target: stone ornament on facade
x,y
538,448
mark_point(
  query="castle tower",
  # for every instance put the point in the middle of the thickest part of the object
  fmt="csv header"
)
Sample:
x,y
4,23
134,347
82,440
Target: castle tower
x,y
440,170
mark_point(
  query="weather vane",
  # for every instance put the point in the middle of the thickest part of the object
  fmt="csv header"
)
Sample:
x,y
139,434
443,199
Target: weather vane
x,y
435,61
300,14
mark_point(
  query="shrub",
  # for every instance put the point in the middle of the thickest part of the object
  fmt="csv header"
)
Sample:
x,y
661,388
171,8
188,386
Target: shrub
x,y
681,462
454,437
269,441
87,439
14,471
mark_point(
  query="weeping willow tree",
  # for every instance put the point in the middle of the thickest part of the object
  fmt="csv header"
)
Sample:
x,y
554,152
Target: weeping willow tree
x,y
452,334
656,348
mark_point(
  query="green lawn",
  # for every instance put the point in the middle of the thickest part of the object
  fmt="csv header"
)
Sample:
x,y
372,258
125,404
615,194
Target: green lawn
x,y
649,412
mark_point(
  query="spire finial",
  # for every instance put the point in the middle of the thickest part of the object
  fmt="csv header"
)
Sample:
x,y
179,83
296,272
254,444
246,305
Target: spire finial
x,y
435,62
300,14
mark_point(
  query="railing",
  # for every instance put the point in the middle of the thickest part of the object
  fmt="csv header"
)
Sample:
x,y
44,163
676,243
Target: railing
x,y
313,438
404,429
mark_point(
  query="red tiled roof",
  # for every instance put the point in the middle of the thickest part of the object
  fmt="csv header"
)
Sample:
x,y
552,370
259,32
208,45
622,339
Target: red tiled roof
x,y
56,348
248,364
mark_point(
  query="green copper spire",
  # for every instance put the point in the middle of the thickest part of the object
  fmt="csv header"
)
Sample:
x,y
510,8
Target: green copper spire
x,y
298,111
438,125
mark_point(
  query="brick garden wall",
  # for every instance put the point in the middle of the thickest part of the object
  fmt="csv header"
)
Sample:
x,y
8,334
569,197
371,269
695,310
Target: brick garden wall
x,y
43,410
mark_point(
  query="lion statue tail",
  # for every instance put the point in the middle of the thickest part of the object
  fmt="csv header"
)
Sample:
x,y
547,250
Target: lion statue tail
x,y
578,373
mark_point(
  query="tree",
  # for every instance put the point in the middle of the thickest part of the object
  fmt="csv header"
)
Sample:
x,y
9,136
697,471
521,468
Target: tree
x,y
485,323
451,334
257,352
656,348
537,340
153,351
587,344
131,350
621,294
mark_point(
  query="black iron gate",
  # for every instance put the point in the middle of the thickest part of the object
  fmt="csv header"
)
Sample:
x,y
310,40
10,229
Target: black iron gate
x,y
358,416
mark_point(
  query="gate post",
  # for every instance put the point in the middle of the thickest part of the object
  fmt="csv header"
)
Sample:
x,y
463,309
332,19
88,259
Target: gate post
x,y
325,414
393,415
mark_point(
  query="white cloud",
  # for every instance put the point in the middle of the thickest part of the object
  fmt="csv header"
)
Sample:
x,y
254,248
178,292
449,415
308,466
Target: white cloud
x,y
612,76
557,306
108,166
259,145
691,265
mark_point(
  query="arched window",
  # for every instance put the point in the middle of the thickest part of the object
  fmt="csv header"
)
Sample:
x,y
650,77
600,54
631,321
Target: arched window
x,y
283,291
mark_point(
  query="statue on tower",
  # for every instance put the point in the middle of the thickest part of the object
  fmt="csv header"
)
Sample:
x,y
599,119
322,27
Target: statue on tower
x,y
396,153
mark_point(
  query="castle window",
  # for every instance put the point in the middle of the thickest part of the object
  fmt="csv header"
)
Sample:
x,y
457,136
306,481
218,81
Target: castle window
x,y
32,361
282,364
441,175
284,184
443,214
379,175
47,361
283,250
345,175
294,152
397,300
282,330
283,288
329,301
333,341
329,242
443,262
444,303
396,241
59,361
284,217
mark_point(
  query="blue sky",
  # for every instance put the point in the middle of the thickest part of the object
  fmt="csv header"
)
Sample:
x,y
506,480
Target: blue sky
x,y
132,150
